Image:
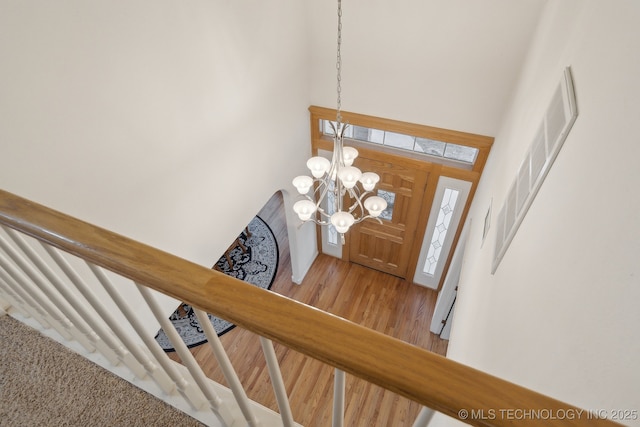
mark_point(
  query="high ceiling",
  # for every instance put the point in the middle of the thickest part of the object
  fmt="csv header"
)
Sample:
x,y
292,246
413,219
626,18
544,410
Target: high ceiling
x,y
449,64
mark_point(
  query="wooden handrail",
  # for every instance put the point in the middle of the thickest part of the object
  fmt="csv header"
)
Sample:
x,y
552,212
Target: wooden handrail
x,y
434,381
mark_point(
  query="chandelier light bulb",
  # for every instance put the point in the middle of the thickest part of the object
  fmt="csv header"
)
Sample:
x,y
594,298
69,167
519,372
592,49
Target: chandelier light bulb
x,y
303,183
304,209
318,166
342,221
349,176
349,154
369,180
375,205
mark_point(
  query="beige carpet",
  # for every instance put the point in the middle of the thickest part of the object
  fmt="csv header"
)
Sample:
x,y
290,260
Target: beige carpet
x,y
42,383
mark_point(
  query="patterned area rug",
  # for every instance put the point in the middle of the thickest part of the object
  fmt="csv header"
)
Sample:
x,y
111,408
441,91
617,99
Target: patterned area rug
x,y
253,258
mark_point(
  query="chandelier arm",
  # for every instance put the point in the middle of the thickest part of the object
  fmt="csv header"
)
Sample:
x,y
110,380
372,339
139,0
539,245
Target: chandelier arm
x,y
337,163
333,127
338,144
323,188
324,214
359,197
315,221
345,125
368,217
357,201
318,210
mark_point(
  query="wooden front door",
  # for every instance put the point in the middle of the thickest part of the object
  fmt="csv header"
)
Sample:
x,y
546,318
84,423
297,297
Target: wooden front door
x,y
387,246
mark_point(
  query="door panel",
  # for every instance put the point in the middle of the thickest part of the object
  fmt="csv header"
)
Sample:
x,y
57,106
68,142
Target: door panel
x,y
387,246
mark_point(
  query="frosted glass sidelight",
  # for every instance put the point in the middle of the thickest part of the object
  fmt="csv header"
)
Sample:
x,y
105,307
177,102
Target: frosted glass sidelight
x,y
445,213
331,209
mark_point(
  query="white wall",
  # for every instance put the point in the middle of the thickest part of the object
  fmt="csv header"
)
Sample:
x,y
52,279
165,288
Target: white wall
x,y
169,122
561,315
158,119
449,64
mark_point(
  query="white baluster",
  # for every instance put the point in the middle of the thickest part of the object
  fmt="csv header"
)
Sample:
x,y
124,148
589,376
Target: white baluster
x,y
95,332
77,326
215,403
338,398
276,379
162,378
8,297
107,317
34,297
227,369
12,289
424,417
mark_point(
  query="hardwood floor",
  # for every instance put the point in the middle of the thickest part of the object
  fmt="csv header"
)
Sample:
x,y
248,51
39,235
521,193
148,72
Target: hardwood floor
x,y
373,299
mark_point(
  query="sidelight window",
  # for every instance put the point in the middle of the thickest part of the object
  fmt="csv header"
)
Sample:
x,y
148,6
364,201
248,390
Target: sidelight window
x,y
444,219
441,229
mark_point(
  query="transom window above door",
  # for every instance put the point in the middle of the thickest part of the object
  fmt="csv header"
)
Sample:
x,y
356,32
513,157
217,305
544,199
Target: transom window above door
x,y
429,147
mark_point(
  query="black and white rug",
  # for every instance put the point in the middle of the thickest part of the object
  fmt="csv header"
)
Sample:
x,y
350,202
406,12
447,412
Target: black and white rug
x,y
257,264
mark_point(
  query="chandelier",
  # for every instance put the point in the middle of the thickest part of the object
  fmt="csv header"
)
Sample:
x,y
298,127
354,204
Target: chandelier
x,y
333,180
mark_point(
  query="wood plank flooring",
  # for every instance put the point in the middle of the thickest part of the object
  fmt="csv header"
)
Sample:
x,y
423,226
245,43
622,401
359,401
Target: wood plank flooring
x,y
373,299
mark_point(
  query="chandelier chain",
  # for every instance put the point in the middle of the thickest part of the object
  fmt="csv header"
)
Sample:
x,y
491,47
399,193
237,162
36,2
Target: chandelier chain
x,y
339,64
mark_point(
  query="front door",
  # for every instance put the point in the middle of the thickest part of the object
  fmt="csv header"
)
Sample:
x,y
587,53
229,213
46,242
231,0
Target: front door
x,y
387,246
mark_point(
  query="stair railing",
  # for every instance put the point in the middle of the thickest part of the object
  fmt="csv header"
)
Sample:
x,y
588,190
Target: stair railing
x,y
37,278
